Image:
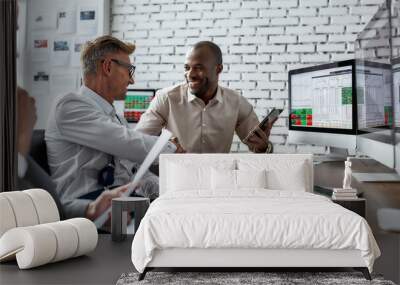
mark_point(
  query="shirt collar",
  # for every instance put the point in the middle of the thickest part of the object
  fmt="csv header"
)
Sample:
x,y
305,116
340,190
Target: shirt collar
x,y
103,103
217,97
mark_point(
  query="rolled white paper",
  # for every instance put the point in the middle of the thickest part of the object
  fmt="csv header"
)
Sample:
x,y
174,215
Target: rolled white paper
x,y
23,207
40,244
87,235
67,239
151,156
7,218
46,207
33,246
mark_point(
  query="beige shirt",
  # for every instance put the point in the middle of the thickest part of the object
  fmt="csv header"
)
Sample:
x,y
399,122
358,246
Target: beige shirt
x,y
200,128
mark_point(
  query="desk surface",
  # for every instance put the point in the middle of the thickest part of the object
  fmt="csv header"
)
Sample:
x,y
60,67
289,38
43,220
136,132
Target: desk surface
x,y
102,266
377,195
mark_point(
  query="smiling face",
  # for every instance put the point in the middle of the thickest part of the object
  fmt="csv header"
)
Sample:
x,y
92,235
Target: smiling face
x,y
202,71
119,77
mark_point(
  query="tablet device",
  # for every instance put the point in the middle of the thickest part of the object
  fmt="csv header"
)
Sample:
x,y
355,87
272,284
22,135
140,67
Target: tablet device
x,y
263,124
270,117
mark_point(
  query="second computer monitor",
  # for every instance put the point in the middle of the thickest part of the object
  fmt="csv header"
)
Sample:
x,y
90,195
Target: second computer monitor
x,y
322,105
396,92
136,103
374,96
396,99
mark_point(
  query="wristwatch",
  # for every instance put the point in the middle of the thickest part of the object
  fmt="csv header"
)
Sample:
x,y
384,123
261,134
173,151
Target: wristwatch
x,y
270,147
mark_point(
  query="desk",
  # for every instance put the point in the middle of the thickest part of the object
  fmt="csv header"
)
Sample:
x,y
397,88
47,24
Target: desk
x,y
377,195
102,266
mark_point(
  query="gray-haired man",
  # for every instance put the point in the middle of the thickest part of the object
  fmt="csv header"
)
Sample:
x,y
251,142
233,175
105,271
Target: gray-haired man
x,y
88,145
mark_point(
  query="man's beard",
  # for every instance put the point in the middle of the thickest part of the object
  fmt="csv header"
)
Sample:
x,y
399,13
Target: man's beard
x,y
202,90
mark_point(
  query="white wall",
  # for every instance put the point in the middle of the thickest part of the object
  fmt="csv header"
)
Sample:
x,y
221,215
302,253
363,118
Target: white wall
x,y
57,70
261,41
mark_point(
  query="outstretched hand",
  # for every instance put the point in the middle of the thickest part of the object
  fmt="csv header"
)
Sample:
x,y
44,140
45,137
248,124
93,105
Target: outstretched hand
x,y
103,202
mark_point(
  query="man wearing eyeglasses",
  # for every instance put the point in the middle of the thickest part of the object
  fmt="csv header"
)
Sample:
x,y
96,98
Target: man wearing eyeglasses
x,y
91,148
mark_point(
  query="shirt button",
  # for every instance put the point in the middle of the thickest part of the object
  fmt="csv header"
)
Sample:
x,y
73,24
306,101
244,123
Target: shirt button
x,y
203,125
204,109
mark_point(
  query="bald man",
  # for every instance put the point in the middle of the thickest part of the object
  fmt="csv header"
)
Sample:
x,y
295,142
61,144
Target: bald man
x,y
201,114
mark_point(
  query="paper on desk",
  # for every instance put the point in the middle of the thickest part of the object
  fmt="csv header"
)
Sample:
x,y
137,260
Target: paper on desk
x,y
151,156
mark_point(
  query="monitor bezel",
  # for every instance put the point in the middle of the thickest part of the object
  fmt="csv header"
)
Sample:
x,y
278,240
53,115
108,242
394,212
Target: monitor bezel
x,y
344,63
141,90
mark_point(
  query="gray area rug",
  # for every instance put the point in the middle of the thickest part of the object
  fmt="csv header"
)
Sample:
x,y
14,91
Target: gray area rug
x,y
275,278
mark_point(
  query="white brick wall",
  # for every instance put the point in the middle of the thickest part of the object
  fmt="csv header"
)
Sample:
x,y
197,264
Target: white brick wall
x,y
261,41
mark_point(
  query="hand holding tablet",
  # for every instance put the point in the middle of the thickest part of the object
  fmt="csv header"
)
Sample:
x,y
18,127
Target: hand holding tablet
x,y
265,124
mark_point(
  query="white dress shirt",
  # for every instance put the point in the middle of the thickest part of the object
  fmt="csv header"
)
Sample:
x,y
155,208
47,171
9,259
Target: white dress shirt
x,y
83,135
200,128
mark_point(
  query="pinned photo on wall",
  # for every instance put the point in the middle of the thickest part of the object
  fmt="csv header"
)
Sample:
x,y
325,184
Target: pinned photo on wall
x,y
60,52
66,21
40,79
76,51
43,19
40,47
87,20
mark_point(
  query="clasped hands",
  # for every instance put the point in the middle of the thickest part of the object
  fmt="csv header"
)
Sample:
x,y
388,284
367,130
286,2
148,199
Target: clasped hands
x,y
103,202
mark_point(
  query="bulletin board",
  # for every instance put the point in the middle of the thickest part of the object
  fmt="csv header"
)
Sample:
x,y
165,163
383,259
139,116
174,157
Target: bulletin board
x,y
55,33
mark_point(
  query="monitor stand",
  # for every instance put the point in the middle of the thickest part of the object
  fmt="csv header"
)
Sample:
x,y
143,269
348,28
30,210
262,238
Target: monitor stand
x,y
377,177
335,154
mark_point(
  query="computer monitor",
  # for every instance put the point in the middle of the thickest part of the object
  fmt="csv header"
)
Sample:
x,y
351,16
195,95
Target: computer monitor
x,y
396,103
396,92
375,111
374,96
135,104
395,24
374,76
322,109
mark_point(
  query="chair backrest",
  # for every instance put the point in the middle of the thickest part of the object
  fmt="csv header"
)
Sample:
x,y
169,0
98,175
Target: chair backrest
x,y
38,173
295,171
38,150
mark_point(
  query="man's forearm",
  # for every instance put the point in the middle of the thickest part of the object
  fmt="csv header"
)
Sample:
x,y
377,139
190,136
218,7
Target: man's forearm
x,y
76,208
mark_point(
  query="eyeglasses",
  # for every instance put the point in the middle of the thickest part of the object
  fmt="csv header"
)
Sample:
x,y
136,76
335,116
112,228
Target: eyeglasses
x,y
131,68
